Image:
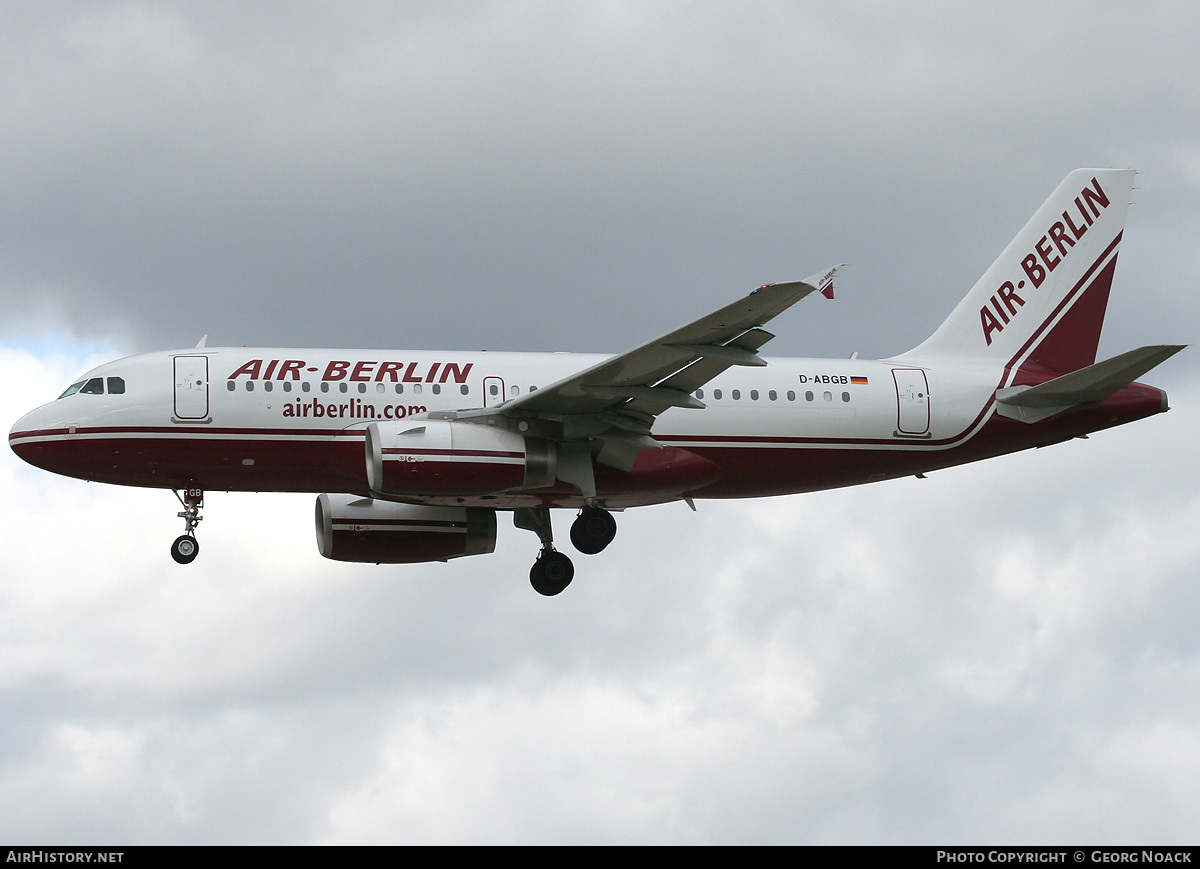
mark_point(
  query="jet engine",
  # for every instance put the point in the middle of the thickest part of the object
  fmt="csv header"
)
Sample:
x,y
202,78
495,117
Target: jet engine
x,y
438,457
350,528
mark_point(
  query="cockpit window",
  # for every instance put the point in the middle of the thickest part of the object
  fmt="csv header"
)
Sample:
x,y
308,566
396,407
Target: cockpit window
x,y
95,386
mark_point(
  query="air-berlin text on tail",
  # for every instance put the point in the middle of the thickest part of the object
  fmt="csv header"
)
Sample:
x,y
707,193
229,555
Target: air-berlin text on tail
x,y
1047,254
359,371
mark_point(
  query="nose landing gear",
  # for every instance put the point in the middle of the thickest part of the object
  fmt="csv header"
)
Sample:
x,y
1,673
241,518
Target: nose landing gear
x,y
185,548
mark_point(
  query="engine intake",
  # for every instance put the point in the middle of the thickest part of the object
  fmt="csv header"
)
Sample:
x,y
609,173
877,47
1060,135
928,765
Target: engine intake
x,y
350,528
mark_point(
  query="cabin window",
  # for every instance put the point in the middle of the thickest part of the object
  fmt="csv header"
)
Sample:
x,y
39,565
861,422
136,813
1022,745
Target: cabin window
x,y
493,389
417,389
116,386
845,396
362,387
736,394
324,386
268,386
699,393
379,387
230,385
305,386
437,389
754,395
808,396
343,387
287,386
773,395
717,394
791,395
464,389
399,388
249,385
514,390
533,389
828,396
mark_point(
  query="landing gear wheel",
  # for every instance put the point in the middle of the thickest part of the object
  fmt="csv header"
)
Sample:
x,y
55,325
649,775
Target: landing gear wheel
x,y
593,530
551,573
185,549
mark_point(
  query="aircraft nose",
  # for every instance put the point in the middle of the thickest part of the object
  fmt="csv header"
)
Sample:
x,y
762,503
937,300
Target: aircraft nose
x,y
22,437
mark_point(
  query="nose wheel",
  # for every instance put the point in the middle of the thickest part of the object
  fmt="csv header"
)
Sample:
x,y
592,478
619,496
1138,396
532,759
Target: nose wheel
x,y
185,548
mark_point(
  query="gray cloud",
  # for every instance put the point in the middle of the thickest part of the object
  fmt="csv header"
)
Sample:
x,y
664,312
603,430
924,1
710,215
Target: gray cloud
x,y
366,175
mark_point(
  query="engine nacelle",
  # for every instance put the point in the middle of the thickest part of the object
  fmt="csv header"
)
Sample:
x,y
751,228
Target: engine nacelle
x,y
439,457
350,528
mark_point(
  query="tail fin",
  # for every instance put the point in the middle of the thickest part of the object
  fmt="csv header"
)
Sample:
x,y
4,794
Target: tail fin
x,y
1042,303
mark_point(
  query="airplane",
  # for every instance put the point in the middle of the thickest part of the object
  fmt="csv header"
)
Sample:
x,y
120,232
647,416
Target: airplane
x,y
415,453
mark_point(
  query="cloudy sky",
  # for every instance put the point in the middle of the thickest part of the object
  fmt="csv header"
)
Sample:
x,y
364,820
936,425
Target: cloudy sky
x,y
1004,652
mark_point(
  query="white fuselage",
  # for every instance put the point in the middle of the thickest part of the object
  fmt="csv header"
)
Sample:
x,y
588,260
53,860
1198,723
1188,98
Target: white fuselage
x,y
293,419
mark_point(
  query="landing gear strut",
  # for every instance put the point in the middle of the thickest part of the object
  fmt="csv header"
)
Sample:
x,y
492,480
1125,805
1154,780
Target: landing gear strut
x,y
592,530
185,548
553,570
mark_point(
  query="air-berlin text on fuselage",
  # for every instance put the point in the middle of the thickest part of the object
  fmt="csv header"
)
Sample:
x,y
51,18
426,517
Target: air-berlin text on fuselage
x,y
1047,254
356,371
355,408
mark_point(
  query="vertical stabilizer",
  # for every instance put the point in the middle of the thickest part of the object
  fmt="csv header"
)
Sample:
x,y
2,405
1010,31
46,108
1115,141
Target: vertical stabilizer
x,y
1042,302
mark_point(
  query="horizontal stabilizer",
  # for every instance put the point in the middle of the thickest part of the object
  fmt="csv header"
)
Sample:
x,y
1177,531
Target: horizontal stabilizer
x,y
1093,383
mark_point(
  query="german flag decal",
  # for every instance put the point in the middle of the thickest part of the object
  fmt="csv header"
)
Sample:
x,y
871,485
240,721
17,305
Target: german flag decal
x,y
858,381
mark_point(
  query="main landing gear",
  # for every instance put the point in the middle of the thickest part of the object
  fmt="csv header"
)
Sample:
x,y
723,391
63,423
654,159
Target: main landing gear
x,y
185,548
593,529
551,573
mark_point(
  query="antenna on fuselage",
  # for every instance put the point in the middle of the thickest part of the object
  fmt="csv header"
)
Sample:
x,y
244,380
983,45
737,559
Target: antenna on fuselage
x,y
200,343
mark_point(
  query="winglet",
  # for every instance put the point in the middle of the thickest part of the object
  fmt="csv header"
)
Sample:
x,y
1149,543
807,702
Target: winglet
x,y
823,281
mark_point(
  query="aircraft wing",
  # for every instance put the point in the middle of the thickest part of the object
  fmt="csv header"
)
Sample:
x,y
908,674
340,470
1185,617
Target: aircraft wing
x,y
618,399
